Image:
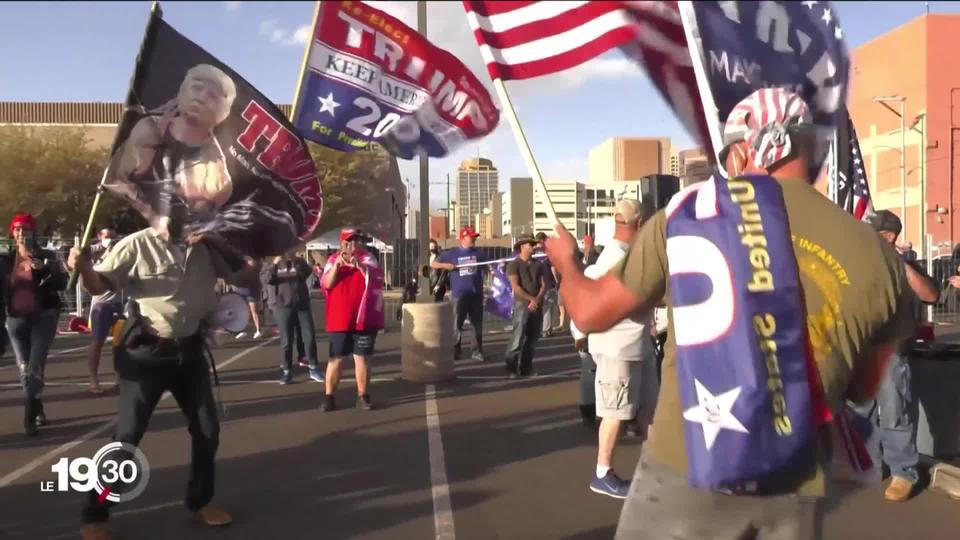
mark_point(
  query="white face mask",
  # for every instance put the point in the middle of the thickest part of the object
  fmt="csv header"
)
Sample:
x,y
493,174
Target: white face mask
x,y
106,242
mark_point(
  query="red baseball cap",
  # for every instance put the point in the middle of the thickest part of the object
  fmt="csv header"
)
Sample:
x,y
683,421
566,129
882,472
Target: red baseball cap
x,y
347,234
25,221
468,232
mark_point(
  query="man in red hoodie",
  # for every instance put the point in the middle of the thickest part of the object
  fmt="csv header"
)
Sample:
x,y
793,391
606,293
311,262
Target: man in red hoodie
x,y
352,282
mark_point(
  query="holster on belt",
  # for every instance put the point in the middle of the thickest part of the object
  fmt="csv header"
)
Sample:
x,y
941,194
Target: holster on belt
x,y
135,348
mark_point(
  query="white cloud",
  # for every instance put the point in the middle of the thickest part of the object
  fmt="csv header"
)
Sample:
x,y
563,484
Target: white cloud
x,y
232,6
282,36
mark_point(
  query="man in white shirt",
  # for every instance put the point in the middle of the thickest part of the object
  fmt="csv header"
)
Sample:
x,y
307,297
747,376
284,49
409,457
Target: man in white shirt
x,y
620,354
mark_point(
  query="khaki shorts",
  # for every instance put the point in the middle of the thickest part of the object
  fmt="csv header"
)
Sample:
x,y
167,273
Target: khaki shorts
x,y
618,387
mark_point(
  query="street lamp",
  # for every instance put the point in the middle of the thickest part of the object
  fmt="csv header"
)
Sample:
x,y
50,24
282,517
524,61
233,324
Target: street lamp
x,y
883,100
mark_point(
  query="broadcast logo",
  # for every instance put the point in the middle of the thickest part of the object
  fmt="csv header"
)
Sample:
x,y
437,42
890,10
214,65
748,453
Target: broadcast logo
x,y
118,472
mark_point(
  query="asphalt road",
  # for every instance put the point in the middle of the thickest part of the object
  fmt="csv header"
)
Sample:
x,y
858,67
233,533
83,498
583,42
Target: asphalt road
x,y
515,457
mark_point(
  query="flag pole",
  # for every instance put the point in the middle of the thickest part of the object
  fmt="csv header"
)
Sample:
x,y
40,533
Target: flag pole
x,y
697,58
525,149
155,13
306,60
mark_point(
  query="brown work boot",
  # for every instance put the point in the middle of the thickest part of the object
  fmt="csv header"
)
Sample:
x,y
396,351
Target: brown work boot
x,y
899,490
96,531
213,516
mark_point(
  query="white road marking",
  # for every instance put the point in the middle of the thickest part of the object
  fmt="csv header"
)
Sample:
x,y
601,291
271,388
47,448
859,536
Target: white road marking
x,y
96,432
442,509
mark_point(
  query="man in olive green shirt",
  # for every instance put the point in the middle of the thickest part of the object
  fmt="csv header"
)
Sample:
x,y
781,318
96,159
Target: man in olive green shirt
x,y
857,308
173,285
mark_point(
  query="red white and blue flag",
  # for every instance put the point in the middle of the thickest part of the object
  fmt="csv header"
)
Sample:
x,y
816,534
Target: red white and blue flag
x,y
522,40
369,77
852,189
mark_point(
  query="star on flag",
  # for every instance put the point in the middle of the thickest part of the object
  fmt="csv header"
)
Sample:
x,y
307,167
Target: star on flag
x,y
713,413
327,104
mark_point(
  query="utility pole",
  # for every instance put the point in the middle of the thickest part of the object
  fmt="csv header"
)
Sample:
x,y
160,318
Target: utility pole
x,y
422,240
449,217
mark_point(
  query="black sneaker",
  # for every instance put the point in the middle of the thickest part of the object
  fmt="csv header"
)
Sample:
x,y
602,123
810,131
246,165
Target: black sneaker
x,y
364,402
329,404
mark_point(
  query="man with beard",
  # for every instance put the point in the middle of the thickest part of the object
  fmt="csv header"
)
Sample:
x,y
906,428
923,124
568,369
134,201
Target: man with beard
x,y
170,282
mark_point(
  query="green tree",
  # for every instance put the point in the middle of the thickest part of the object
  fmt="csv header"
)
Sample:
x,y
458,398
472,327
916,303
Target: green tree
x,y
354,188
53,173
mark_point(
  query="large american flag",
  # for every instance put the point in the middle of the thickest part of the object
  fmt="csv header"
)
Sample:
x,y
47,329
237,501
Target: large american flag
x,y
522,40
852,189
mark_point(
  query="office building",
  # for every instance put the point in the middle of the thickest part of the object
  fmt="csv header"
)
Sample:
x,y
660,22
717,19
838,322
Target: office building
x,y
516,208
912,66
477,181
569,202
625,159
411,223
694,166
438,226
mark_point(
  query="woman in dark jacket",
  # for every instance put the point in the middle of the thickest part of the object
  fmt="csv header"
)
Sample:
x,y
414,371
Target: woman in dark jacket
x,y
31,280
285,282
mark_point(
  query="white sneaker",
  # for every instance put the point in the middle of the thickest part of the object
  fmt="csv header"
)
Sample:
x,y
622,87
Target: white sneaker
x,y
257,335
241,335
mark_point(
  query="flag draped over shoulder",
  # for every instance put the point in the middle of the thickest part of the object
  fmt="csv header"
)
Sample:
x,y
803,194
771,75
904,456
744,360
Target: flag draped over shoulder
x,y
372,78
201,149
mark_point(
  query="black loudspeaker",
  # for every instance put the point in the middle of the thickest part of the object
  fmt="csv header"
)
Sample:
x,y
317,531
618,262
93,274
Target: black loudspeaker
x,y
658,188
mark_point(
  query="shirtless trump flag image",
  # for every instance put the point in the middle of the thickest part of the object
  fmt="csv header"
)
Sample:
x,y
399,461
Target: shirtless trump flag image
x,y
200,150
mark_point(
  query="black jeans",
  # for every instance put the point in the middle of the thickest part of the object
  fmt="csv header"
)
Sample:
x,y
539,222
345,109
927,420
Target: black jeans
x,y
189,383
290,320
526,331
470,305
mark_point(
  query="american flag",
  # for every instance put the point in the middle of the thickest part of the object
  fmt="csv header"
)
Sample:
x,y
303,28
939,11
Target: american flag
x,y
852,189
523,40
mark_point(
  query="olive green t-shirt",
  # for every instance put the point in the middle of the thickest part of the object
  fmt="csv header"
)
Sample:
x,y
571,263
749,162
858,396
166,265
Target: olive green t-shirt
x,y
856,295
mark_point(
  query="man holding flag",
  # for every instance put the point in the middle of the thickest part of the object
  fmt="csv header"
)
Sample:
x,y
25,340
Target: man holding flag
x,y
849,363
224,180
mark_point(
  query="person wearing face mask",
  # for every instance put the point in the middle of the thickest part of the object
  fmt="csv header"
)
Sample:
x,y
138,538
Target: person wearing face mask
x,y
31,280
170,283
285,281
439,278
105,309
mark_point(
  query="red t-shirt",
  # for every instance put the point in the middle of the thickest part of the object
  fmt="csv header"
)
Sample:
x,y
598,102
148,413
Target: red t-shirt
x,y
344,299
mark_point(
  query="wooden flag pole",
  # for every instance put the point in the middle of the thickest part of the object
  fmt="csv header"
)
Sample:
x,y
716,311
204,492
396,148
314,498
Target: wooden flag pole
x,y
155,12
306,60
538,182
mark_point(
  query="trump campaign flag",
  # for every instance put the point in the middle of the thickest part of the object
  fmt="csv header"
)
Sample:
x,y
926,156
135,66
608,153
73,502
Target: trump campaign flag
x,y
369,77
745,46
200,150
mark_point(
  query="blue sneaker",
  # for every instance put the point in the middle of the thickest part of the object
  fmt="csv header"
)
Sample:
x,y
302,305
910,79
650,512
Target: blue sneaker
x,y
316,375
286,377
610,485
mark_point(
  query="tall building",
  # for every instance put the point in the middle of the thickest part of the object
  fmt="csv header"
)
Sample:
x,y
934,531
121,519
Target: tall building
x,y
494,218
569,202
912,66
625,159
694,166
516,208
476,182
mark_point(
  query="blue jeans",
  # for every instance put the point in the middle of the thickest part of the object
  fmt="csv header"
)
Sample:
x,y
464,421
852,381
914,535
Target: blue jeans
x,y
588,372
895,412
526,332
31,338
549,304
290,320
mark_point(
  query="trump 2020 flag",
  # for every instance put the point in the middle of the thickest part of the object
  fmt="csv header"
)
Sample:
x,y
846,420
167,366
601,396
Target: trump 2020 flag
x,y
745,46
369,77
200,150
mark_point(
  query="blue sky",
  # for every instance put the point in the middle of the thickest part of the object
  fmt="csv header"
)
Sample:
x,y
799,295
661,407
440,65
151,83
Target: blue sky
x,y
84,51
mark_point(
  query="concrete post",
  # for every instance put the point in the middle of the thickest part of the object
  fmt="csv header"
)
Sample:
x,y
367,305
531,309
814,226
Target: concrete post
x,y
426,342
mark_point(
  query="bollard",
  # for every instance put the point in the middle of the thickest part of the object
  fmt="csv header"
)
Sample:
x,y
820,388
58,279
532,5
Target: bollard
x,y
426,342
